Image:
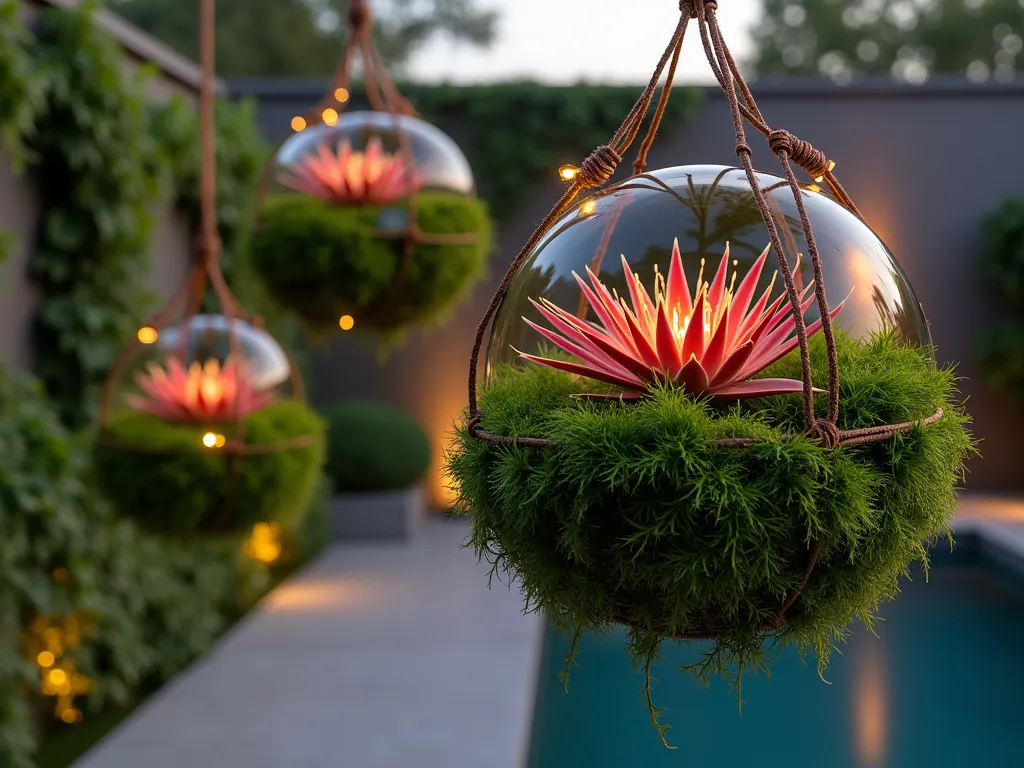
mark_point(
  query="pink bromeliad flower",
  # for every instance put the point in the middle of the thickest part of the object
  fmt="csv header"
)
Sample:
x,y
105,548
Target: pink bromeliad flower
x,y
348,177
205,393
709,342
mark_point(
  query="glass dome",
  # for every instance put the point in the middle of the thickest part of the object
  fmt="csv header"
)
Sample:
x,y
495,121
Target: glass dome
x,y
439,164
705,208
203,344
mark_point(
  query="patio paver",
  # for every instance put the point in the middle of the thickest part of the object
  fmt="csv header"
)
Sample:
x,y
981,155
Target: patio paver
x,y
375,656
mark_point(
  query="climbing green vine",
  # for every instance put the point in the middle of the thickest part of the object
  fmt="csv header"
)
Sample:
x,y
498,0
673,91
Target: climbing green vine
x,y
21,84
518,132
97,174
1000,350
101,158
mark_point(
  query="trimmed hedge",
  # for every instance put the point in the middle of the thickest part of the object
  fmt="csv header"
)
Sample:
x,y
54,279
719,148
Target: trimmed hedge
x,y
634,516
323,261
374,447
183,487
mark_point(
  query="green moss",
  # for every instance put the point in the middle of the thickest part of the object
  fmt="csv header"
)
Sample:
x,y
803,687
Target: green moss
x,y
181,487
323,261
636,517
374,447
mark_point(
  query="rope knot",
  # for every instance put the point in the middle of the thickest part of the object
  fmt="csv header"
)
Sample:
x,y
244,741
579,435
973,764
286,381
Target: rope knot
x,y
799,151
689,7
359,14
827,432
599,166
208,249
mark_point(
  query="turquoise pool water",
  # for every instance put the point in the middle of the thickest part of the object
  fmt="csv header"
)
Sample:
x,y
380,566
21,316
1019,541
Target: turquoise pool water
x,y
941,685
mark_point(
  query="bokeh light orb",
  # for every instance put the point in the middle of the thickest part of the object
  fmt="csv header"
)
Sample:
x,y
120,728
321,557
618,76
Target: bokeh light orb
x,y
706,207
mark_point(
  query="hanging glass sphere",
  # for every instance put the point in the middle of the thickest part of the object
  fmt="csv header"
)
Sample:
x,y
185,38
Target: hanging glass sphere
x,y
243,367
371,223
711,213
203,429
205,337
361,158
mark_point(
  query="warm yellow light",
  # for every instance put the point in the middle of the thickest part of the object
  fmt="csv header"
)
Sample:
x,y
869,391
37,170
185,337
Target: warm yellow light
x,y
264,544
210,439
71,715
46,659
347,322
57,676
588,207
298,124
148,334
871,708
568,172
221,441
831,167
341,95
814,187
330,116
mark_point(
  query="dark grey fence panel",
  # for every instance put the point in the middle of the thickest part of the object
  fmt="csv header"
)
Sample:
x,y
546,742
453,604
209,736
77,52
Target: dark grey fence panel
x,y
925,165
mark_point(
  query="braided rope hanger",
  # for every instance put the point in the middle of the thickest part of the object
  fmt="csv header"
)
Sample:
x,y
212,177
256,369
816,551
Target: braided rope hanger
x,y
599,167
384,97
187,300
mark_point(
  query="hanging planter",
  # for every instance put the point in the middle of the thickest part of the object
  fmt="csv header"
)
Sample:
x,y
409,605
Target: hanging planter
x,y
371,219
203,427
710,409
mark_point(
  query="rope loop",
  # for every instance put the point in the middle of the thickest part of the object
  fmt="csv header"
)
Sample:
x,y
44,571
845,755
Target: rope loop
x,y
598,167
799,151
827,432
743,149
688,7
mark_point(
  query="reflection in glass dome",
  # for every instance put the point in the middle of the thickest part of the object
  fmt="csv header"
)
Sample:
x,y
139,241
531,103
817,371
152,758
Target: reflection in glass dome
x,y
359,159
206,337
707,209
187,372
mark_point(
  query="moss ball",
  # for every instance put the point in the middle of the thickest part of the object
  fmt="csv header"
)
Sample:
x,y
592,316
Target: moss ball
x,y
635,516
374,447
323,261
176,485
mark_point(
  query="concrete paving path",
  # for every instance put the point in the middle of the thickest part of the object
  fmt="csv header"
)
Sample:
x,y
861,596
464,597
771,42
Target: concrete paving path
x,y
376,656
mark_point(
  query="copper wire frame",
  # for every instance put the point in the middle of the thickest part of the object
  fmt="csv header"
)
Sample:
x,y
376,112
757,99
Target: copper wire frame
x,y
187,301
599,167
384,97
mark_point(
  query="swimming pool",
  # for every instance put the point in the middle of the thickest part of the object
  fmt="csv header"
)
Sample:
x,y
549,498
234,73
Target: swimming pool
x,y
941,685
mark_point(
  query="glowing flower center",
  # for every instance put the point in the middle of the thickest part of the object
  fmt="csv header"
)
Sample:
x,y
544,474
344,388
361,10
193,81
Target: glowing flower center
x,y
648,341
204,392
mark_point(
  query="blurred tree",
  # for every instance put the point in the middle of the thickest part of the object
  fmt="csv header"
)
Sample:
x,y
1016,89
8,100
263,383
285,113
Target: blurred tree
x,y
908,39
304,38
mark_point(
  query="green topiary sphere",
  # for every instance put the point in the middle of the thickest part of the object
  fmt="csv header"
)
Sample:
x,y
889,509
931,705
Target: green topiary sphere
x,y
323,261
176,485
374,447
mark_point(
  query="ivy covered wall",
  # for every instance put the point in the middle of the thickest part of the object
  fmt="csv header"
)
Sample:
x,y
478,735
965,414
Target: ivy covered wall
x,y
98,203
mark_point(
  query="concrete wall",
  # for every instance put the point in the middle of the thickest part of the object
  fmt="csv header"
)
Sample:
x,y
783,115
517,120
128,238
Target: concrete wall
x,y
924,164
172,242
